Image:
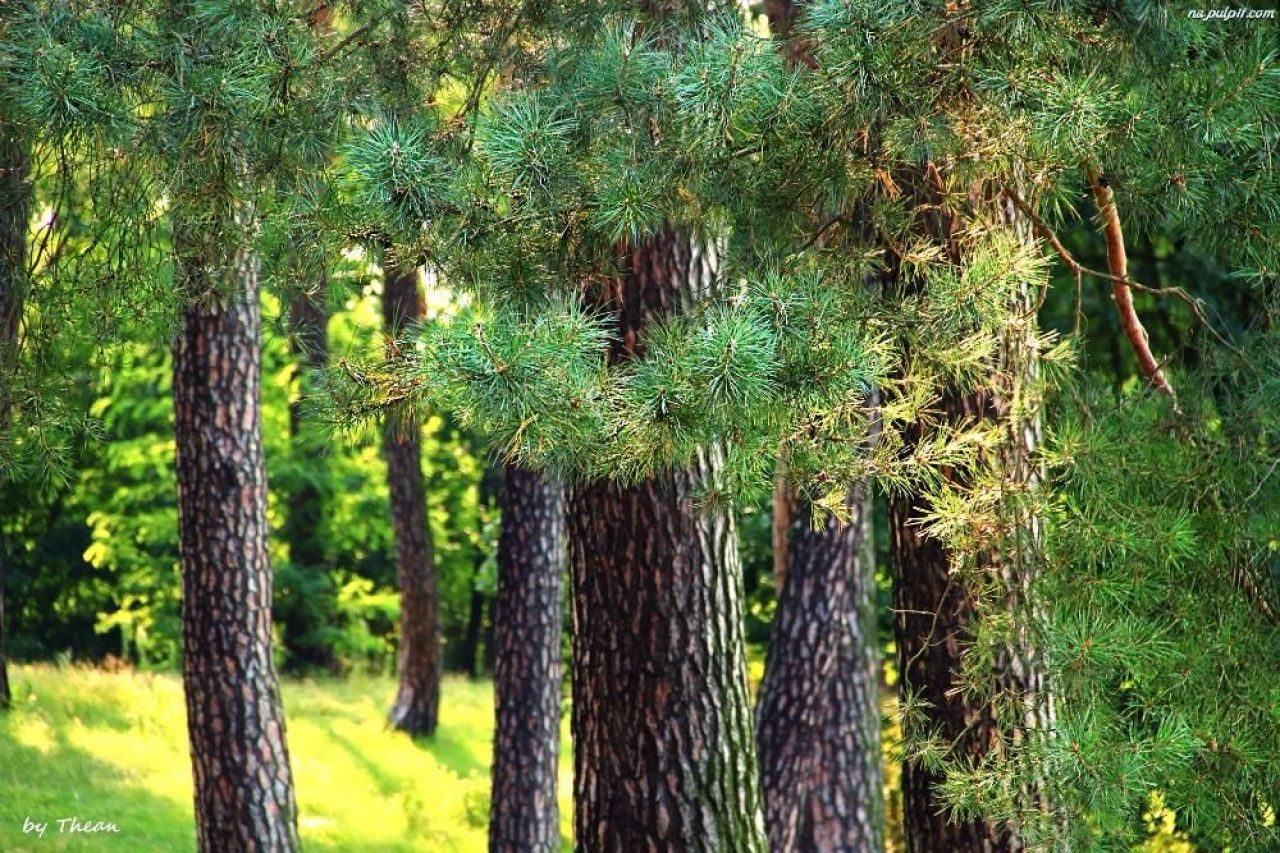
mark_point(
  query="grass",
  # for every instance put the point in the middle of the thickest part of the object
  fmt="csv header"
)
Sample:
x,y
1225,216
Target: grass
x,y
112,747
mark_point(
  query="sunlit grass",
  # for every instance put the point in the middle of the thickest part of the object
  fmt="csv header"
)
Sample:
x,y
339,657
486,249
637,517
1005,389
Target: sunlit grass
x,y
112,747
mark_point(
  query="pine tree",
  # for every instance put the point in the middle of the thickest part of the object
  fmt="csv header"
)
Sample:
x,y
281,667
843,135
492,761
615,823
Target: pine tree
x,y
658,647
528,632
15,201
818,716
243,782
416,708
244,786
698,131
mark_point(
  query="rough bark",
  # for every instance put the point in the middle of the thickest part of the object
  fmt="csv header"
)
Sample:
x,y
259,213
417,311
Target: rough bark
x,y
489,493
531,565
664,753
818,718
15,208
417,703
934,604
933,609
243,785
305,517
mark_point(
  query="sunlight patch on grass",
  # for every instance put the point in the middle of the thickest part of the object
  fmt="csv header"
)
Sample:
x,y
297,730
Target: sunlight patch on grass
x,y
113,747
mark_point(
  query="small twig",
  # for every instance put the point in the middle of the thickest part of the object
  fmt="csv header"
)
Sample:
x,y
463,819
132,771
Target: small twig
x,y
347,40
1263,481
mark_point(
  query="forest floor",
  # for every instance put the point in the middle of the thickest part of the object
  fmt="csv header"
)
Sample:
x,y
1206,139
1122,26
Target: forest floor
x,y
96,746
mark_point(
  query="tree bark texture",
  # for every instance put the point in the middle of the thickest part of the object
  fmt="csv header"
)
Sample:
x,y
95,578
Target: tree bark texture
x,y
243,785
531,564
664,752
934,604
306,512
818,716
15,209
417,704
932,612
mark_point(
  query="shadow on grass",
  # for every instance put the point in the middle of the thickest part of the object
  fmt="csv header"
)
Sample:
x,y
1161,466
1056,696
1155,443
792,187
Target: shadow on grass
x,y
64,781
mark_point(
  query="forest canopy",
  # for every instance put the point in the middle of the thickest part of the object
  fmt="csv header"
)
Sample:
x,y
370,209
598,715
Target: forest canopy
x,y
707,374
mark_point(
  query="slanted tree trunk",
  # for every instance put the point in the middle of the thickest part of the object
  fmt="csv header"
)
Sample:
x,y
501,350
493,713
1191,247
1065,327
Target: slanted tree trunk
x,y
526,745
664,752
417,703
818,718
305,517
15,209
243,785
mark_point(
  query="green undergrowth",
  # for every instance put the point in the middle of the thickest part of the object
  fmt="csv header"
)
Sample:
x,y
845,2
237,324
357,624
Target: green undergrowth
x,y
100,746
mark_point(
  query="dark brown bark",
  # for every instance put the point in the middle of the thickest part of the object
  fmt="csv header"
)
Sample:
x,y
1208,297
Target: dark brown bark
x,y
818,717
664,752
15,209
531,565
935,604
490,488
243,785
306,512
933,609
417,703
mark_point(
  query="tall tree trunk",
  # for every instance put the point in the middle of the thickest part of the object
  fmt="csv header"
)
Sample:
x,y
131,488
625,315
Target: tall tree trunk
x,y
933,608
15,209
526,744
305,518
243,785
664,753
935,605
417,703
818,718
489,492
818,715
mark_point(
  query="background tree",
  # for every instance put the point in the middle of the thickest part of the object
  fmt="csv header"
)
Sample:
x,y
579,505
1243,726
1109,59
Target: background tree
x,y
528,629
15,199
416,708
308,610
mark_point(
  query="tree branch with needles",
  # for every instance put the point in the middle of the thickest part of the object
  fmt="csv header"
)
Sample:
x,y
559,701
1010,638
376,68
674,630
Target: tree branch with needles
x,y
1118,275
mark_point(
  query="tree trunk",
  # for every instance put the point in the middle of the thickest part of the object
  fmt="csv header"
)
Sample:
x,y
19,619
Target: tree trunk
x,y
664,753
934,605
243,784
818,717
818,714
305,517
417,704
932,610
531,566
488,494
15,209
